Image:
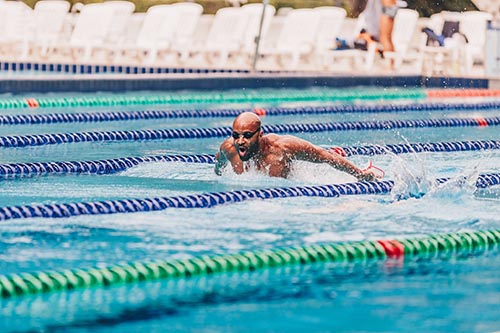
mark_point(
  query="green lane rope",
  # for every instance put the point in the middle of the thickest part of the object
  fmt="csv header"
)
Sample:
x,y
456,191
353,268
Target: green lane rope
x,y
240,96
427,247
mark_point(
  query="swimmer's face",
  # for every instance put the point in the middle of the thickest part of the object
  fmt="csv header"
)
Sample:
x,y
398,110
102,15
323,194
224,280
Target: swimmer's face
x,y
246,140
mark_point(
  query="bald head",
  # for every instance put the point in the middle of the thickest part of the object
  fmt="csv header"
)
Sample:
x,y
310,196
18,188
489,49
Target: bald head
x,y
247,121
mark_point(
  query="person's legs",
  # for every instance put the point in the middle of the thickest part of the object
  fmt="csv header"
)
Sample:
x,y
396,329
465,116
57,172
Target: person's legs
x,y
389,9
386,25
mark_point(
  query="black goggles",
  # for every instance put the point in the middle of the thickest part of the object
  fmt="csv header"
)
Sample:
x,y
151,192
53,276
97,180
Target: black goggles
x,y
246,135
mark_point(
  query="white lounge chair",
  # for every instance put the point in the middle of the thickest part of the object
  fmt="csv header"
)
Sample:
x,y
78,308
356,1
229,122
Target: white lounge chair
x,y
226,36
351,59
90,31
405,23
473,25
15,29
331,20
296,40
463,48
49,17
122,11
255,11
156,33
189,14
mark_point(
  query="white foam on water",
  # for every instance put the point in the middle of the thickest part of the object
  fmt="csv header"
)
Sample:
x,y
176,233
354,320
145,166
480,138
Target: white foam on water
x,y
171,170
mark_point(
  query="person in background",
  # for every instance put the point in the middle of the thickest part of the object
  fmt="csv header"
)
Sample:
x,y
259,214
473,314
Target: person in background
x,y
389,10
249,148
379,22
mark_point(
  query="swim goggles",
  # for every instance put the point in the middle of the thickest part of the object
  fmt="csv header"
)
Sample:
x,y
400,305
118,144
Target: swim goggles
x,y
246,135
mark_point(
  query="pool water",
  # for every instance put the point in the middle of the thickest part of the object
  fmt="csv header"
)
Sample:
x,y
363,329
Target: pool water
x,y
458,293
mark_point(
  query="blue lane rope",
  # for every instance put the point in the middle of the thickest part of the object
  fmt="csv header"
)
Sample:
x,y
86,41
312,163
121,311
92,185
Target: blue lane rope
x,y
59,138
93,167
434,147
119,164
232,112
207,200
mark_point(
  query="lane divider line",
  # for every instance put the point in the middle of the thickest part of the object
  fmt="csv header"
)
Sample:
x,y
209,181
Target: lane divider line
x,y
21,119
199,133
109,166
26,284
208,200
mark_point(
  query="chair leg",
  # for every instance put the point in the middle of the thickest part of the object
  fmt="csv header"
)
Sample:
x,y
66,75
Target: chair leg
x,y
370,57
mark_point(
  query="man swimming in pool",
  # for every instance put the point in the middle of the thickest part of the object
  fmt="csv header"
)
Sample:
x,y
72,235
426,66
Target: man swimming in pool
x,y
273,154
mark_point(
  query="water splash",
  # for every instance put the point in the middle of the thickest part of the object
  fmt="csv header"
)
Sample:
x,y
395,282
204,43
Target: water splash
x,y
412,179
313,173
463,184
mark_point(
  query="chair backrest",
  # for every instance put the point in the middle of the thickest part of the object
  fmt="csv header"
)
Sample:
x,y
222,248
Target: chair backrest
x,y
299,28
437,21
405,24
201,32
92,25
473,25
49,18
274,31
254,11
228,27
158,27
15,21
189,14
331,20
122,11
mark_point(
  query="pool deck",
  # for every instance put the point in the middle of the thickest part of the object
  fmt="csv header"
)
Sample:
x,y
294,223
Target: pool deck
x,y
222,81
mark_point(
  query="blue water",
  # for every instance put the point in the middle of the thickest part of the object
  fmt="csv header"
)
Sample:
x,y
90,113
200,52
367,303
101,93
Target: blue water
x,y
441,294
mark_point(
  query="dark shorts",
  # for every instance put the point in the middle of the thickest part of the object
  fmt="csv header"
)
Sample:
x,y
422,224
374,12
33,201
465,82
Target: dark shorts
x,y
390,11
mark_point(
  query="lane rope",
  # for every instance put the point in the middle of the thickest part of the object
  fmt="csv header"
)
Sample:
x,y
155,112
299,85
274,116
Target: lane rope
x,y
21,119
109,166
440,93
207,200
239,96
198,133
472,242
263,95
268,96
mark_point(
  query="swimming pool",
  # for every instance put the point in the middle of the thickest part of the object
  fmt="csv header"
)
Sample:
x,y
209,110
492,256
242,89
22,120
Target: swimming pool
x,y
432,291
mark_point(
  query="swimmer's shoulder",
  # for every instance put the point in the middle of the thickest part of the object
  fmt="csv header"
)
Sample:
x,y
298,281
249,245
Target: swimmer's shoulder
x,y
282,142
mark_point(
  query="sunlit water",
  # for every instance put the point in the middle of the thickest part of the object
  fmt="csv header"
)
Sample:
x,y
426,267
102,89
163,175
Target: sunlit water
x,y
442,294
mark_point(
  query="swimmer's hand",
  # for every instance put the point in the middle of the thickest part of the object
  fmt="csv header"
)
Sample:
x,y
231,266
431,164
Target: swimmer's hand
x,y
371,173
368,176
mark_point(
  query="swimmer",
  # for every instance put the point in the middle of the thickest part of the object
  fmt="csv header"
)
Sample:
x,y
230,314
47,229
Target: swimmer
x,y
273,154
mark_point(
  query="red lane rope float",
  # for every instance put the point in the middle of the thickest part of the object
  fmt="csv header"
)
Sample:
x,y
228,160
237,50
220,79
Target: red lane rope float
x,y
259,111
482,122
32,103
393,248
437,93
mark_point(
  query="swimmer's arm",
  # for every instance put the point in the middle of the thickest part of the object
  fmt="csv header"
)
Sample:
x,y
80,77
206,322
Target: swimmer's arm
x,y
306,151
220,162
